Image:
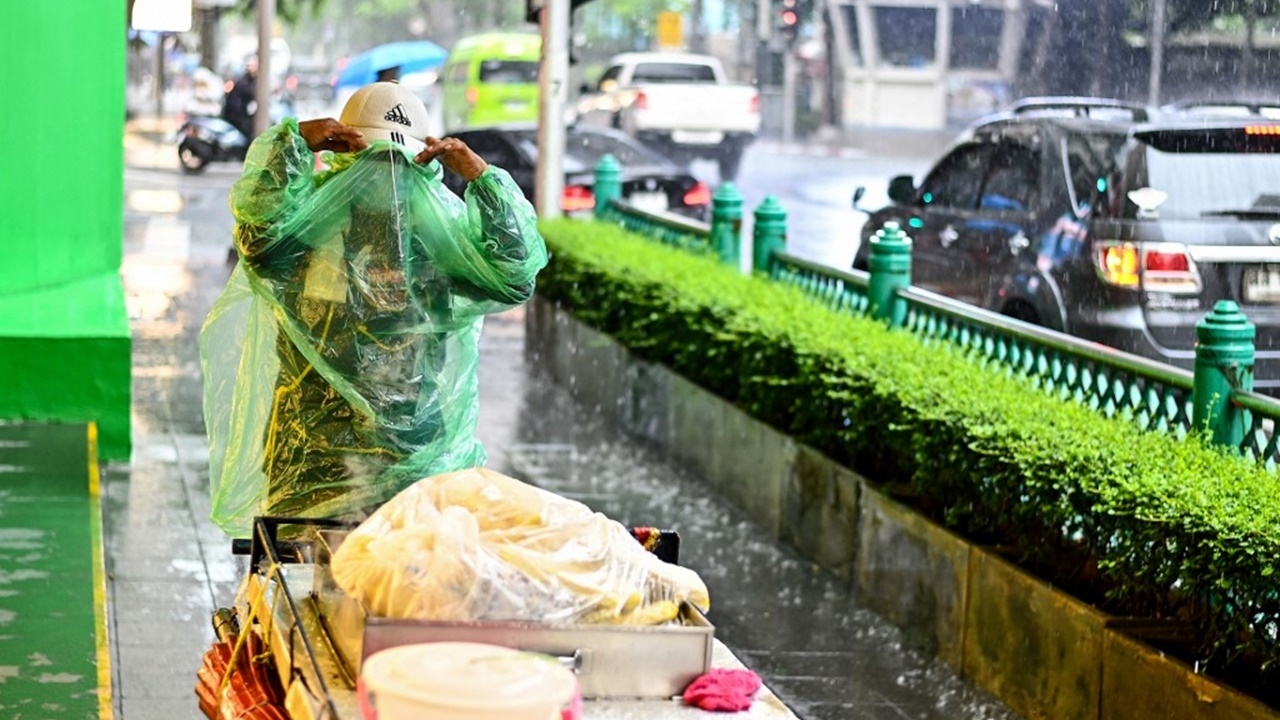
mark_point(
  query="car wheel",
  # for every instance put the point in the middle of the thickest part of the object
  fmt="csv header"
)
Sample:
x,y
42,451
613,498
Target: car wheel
x,y
1021,310
192,161
730,160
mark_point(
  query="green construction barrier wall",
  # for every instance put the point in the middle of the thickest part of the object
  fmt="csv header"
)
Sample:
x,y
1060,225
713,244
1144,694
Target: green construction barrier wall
x,y
64,331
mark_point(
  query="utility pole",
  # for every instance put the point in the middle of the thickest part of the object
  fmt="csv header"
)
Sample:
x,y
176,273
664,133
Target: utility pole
x,y
697,31
1157,51
266,21
159,69
209,17
553,81
764,32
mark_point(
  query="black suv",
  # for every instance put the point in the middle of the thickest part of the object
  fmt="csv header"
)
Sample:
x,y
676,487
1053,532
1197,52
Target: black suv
x,y
1114,222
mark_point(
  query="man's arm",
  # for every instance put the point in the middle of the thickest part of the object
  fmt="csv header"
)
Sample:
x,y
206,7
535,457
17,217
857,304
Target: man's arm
x,y
503,251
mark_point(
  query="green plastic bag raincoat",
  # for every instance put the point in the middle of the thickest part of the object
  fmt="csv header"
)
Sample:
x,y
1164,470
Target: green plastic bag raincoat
x,y
340,360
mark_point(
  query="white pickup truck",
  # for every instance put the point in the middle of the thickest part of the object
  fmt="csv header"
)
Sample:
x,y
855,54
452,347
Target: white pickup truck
x,y
682,104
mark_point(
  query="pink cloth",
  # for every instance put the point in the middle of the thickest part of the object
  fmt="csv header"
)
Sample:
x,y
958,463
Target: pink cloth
x,y
723,690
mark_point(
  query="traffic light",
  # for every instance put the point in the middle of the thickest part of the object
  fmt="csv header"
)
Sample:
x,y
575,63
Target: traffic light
x,y
789,21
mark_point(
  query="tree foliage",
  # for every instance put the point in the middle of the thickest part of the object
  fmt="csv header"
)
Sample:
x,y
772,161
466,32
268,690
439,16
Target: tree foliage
x,y
1191,15
290,12
605,27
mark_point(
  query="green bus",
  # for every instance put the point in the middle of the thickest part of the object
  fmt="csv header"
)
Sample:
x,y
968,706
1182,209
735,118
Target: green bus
x,y
491,79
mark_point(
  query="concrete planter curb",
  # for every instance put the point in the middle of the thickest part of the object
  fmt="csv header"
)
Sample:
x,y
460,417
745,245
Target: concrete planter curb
x,y
1041,651
1034,647
1141,683
914,574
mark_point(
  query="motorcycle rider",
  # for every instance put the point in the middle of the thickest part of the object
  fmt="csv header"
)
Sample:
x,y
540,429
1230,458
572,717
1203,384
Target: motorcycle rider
x,y
240,102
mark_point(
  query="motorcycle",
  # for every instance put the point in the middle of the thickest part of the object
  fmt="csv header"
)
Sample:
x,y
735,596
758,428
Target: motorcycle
x,y
202,140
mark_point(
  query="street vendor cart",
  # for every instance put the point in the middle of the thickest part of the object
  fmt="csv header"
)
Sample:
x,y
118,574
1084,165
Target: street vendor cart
x,y
294,644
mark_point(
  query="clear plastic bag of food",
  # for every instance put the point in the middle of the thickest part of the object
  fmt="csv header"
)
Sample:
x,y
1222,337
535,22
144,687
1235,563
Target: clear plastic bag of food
x,y
479,545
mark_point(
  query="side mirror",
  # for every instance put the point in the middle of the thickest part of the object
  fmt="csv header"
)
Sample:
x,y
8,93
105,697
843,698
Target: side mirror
x,y
902,190
858,193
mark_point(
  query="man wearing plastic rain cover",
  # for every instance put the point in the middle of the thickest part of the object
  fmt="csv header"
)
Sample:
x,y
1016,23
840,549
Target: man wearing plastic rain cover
x,y
340,362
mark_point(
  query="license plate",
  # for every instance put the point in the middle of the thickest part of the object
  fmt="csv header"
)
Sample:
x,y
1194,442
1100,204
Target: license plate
x,y
1262,284
648,201
697,137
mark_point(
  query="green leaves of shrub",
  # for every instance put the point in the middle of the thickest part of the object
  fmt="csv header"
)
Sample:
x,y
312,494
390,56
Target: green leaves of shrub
x,y
1141,523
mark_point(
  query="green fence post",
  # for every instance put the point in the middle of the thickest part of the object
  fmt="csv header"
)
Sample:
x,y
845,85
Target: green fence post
x,y
890,266
726,222
1224,363
768,234
608,183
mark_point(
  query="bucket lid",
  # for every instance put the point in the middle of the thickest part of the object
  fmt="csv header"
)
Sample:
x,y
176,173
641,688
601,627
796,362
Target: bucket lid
x,y
469,675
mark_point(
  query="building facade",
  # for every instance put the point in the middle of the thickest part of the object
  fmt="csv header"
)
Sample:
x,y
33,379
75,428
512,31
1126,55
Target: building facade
x,y
924,63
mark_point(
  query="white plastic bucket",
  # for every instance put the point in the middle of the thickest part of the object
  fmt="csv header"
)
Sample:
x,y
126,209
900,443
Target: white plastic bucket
x,y
466,681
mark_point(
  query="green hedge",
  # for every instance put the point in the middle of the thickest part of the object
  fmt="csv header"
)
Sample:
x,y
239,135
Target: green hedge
x,y
1139,523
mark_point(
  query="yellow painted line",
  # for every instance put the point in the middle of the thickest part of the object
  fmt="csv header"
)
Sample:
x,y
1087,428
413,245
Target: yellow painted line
x,y
102,642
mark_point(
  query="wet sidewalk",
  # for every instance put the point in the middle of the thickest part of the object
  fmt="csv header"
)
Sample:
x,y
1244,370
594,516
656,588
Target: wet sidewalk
x,y
169,568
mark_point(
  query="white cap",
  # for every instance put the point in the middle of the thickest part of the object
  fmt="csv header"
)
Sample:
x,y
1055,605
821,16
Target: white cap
x,y
388,111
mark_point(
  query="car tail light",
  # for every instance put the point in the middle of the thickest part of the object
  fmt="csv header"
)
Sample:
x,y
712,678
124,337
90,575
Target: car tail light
x,y
640,101
576,198
755,104
1155,267
1118,263
1158,261
699,194
473,95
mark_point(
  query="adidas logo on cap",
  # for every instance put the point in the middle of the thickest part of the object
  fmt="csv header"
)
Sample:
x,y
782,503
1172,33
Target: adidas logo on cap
x,y
396,115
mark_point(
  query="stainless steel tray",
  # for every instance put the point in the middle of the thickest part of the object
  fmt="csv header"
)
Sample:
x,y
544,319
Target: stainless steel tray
x,y
610,661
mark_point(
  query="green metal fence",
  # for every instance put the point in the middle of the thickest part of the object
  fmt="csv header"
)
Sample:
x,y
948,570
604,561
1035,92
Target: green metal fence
x,y
1156,396
667,228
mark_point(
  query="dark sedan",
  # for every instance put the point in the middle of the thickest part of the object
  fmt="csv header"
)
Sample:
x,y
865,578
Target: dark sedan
x,y
650,180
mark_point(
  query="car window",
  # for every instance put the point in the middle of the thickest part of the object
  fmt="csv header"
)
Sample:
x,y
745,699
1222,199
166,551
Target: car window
x,y
609,78
1090,168
508,72
1012,180
457,73
955,182
652,72
1198,184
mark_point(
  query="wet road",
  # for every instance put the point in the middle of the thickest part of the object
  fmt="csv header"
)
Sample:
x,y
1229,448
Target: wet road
x,y
815,186
802,629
